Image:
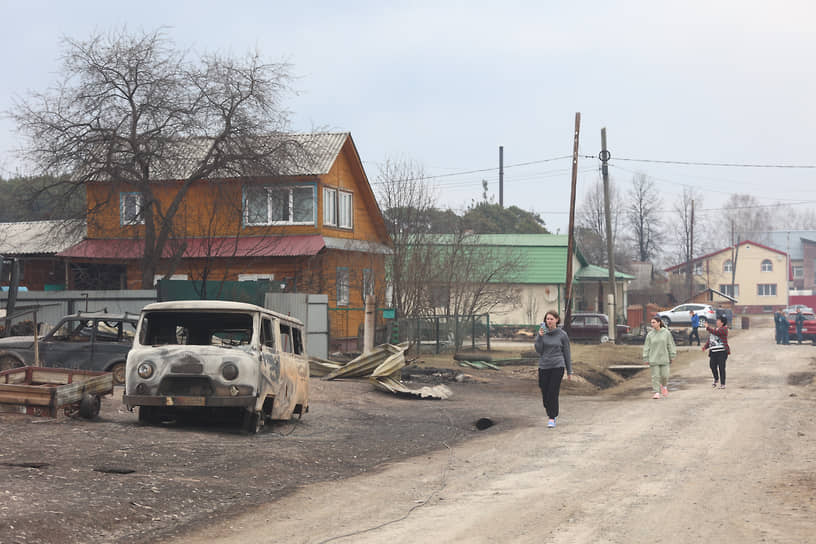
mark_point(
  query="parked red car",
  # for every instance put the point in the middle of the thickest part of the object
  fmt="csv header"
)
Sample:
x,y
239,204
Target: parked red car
x,y
808,327
593,327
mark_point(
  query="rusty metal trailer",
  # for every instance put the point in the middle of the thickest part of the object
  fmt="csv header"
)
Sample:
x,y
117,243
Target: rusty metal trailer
x,y
48,392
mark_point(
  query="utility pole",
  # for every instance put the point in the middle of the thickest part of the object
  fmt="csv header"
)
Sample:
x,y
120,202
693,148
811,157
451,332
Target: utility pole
x,y
501,176
610,254
571,236
691,254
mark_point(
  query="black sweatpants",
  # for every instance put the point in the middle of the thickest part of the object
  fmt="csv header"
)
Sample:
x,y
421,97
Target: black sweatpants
x,y
716,360
549,380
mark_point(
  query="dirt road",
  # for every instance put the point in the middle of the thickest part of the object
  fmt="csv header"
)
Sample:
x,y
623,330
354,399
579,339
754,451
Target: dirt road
x,y
704,465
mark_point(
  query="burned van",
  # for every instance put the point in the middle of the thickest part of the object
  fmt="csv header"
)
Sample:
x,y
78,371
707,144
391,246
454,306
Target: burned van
x,y
209,358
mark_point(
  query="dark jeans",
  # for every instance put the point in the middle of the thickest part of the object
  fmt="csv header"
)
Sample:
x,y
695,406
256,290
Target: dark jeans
x,y
693,334
549,380
799,333
716,360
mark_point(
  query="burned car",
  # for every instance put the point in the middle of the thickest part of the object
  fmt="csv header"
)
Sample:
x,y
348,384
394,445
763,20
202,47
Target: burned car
x,y
86,341
209,358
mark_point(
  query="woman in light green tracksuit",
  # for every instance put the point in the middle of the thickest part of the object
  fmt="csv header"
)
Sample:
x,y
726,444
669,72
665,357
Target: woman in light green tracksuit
x,y
659,351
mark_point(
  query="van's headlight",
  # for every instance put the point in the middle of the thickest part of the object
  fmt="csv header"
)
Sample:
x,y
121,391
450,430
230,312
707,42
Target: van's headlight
x,y
229,371
145,370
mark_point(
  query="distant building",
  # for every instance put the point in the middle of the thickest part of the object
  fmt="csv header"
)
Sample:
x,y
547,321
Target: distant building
x,y
753,274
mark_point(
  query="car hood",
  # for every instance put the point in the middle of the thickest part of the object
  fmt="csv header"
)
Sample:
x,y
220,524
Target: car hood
x,y
14,341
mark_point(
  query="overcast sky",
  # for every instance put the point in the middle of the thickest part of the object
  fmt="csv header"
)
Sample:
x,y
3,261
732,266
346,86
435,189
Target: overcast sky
x,y
446,83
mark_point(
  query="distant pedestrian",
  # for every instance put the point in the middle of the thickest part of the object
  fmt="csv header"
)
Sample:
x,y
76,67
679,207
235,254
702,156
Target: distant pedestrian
x,y
718,350
659,351
799,320
785,325
779,323
553,347
695,323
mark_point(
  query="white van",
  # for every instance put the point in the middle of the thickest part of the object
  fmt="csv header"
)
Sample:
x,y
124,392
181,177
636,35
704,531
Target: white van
x,y
205,356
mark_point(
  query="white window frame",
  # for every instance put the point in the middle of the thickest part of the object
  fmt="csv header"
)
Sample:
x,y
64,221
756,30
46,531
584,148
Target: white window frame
x,y
269,191
130,209
766,265
341,286
766,289
798,271
330,206
728,266
725,288
698,269
345,209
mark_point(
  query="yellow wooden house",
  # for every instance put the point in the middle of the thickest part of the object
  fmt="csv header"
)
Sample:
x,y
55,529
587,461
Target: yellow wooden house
x,y
315,229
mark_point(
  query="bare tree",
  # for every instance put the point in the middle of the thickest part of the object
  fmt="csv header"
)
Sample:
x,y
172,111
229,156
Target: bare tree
x,y
408,200
472,278
742,214
132,109
684,228
643,219
591,224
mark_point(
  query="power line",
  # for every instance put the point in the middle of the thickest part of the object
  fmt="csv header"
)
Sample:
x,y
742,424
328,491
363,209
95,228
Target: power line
x,y
722,164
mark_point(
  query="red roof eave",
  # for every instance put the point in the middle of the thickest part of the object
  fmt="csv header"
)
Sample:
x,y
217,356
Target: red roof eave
x,y
247,246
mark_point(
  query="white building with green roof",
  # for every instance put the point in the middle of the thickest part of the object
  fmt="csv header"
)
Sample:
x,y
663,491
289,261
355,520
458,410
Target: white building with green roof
x,y
539,276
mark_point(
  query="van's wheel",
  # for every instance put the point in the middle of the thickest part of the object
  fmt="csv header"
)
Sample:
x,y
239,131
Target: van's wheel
x,y
7,362
703,321
89,406
253,421
604,338
118,371
666,322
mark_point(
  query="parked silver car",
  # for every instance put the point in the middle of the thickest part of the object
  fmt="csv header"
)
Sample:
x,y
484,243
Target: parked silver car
x,y
681,315
86,341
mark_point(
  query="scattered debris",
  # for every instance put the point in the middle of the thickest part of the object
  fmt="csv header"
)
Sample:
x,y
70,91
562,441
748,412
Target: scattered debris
x,y
478,364
381,366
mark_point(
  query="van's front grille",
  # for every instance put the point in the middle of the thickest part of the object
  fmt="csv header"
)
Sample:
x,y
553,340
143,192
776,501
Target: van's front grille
x,y
187,367
186,386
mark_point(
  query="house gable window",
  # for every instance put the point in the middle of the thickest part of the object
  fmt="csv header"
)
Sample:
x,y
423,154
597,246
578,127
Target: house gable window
x,y
338,208
345,210
728,266
279,205
766,289
698,269
130,209
342,286
330,206
767,266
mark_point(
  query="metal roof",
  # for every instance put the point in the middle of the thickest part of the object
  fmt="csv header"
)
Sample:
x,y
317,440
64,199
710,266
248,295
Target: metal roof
x,y
39,237
289,154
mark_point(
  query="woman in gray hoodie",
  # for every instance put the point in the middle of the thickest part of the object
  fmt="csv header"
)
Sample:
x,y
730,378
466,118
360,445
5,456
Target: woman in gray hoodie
x,y
553,347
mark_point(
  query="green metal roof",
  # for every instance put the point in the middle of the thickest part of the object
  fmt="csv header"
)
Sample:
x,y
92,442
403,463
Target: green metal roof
x,y
592,272
544,256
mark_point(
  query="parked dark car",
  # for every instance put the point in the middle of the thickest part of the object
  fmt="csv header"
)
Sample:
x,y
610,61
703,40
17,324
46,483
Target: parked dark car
x,y
585,326
808,327
86,341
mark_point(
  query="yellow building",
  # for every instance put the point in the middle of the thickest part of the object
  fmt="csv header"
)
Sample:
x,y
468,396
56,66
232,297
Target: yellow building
x,y
755,275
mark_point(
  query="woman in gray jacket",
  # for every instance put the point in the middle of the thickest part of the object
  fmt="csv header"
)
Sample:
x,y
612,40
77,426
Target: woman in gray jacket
x,y
553,347
659,351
